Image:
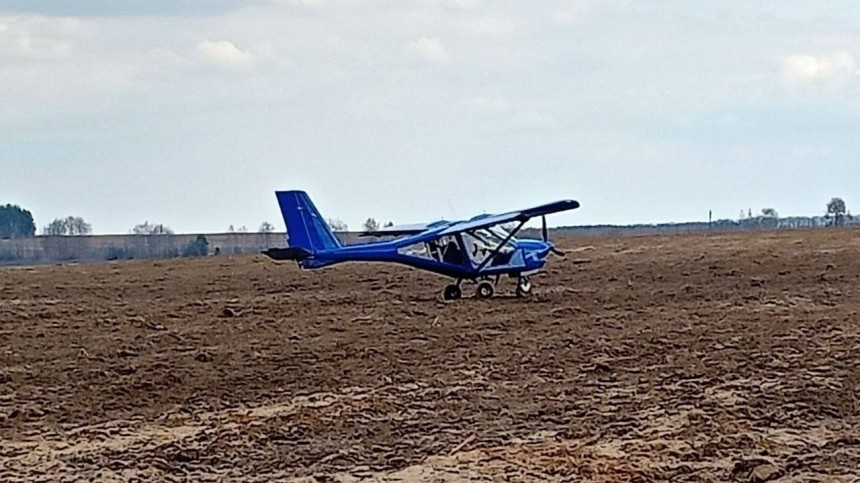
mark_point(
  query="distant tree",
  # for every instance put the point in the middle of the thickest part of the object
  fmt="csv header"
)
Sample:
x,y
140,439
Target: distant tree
x,y
835,214
58,227
77,226
337,225
16,222
371,225
389,224
243,229
769,213
69,226
147,228
267,227
197,248
231,229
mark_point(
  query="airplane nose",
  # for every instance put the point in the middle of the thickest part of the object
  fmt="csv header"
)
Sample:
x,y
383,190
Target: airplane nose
x,y
544,250
553,249
538,249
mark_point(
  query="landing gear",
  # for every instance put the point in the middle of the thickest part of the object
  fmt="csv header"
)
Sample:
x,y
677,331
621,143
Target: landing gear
x,y
452,292
524,286
485,290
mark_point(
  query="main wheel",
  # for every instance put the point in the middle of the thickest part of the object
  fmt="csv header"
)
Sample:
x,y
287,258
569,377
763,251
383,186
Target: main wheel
x,y
452,292
485,290
524,287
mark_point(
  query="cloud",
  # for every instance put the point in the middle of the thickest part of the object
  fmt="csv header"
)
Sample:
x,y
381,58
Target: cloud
x,y
495,104
533,119
224,53
164,58
429,49
124,8
37,38
303,3
572,13
492,26
463,4
821,70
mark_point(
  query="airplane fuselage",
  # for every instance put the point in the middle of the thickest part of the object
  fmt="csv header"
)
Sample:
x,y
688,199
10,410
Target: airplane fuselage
x,y
479,250
523,258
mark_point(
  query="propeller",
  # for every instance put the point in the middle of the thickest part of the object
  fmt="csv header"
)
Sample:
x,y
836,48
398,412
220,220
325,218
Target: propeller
x,y
543,228
545,233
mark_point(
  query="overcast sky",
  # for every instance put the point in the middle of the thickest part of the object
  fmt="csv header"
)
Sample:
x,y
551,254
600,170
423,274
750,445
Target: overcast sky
x,y
192,112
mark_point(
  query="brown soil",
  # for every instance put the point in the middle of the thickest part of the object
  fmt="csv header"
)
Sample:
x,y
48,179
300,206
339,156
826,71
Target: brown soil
x,y
682,358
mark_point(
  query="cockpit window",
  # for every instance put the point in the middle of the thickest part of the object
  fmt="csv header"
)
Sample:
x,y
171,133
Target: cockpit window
x,y
501,233
481,243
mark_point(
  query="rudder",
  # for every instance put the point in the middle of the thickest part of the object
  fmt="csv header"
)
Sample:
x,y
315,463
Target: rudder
x,y
306,228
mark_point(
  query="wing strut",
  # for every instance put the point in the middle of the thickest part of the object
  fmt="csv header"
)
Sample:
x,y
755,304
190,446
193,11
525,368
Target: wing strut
x,y
499,248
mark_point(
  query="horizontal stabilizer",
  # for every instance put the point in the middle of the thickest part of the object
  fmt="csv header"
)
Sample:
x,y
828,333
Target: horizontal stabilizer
x,y
292,253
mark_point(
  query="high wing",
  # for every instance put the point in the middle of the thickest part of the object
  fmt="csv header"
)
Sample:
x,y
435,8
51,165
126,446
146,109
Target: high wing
x,y
403,230
520,216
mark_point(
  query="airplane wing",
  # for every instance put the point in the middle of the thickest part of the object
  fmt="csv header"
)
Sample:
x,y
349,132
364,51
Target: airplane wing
x,y
520,216
402,230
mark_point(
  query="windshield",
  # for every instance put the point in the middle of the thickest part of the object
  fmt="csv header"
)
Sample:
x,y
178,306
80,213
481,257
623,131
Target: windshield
x,y
499,233
483,242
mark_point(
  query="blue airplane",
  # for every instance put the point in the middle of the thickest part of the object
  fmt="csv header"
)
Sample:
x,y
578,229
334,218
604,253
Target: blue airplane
x,y
478,250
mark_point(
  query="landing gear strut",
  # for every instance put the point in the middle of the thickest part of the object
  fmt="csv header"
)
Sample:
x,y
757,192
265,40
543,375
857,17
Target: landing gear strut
x,y
524,286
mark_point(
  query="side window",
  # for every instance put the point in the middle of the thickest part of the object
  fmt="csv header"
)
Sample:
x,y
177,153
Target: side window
x,y
477,249
447,249
420,250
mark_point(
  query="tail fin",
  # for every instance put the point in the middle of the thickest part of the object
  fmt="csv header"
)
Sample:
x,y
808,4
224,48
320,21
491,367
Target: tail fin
x,y
306,228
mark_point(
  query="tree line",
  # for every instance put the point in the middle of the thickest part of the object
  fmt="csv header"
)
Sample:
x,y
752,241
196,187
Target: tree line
x,y
17,222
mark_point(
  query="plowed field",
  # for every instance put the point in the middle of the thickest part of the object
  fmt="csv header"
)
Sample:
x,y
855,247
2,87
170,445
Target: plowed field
x,y
666,358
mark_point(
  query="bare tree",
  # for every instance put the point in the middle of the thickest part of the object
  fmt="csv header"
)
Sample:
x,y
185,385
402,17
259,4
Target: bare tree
x,y
267,227
147,228
58,227
337,225
69,226
769,213
371,225
835,214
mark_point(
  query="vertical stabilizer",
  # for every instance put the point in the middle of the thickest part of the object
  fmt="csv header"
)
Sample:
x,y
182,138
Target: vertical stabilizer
x,y
306,228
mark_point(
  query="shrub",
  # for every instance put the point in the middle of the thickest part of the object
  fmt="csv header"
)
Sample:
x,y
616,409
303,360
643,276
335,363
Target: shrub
x,y
197,248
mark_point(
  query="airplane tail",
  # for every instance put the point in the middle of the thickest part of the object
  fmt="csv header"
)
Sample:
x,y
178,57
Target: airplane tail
x,y
307,231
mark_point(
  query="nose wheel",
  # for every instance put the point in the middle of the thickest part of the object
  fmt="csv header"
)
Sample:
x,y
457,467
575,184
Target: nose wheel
x,y
524,286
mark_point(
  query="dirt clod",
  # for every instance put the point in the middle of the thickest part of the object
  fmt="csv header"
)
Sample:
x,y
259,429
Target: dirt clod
x,y
765,472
